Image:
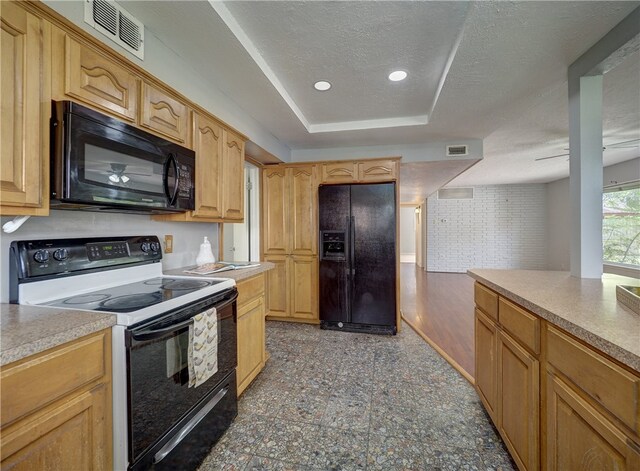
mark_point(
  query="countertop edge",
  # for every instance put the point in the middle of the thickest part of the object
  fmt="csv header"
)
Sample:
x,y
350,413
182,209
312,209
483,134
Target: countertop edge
x,y
617,352
39,345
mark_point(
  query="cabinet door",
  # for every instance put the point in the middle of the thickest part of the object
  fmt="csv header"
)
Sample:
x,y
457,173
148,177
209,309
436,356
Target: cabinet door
x,y
486,363
207,143
251,346
303,203
26,106
165,115
578,437
94,79
71,434
377,171
304,287
277,286
340,172
518,393
233,177
275,210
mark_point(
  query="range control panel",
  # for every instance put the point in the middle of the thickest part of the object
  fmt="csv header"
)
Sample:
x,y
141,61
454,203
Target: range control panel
x,y
31,259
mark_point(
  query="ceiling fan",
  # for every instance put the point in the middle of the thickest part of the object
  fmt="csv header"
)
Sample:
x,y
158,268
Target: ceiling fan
x,y
618,145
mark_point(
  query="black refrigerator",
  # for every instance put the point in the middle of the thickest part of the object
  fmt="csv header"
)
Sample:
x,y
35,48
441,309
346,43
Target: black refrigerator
x,y
358,257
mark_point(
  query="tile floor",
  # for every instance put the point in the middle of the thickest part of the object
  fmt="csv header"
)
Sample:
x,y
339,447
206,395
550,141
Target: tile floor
x,y
341,401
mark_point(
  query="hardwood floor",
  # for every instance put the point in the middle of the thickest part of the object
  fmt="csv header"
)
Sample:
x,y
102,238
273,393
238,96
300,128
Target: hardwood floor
x,y
440,306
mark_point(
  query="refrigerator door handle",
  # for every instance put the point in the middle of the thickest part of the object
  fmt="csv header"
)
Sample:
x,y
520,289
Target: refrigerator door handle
x,y
352,251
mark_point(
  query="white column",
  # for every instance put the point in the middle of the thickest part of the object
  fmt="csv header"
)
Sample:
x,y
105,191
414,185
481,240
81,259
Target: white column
x,y
585,181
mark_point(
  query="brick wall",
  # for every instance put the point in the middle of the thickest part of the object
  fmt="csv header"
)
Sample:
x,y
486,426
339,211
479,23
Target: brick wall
x,y
503,226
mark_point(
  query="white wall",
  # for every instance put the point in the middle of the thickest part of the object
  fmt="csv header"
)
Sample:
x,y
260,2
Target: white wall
x,y
187,237
503,226
559,215
407,234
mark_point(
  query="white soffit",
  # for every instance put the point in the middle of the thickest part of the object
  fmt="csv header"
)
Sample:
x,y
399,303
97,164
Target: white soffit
x,y
420,37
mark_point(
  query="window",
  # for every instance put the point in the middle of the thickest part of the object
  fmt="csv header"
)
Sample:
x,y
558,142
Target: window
x,y
621,227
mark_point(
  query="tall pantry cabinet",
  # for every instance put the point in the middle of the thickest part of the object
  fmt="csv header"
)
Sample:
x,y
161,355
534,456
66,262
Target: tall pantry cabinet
x,y
289,203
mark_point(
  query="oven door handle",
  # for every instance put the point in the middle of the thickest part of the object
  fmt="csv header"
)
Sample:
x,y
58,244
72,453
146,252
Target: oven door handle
x,y
175,441
157,333
152,334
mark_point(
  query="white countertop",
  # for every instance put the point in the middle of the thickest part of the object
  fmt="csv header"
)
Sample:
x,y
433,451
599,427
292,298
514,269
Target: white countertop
x,y
586,308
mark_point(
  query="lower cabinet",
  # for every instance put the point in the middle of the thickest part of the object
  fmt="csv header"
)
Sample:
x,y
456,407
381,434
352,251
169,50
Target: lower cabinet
x,y
579,437
292,288
56,408
251,330
486,355
519,402
558,403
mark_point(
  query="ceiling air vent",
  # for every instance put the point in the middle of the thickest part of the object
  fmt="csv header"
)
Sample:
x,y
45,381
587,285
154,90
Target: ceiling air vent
x,y
455,194
455,151
117,24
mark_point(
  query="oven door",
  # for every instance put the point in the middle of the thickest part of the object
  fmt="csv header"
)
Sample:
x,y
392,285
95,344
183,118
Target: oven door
x,y
159,395
105,163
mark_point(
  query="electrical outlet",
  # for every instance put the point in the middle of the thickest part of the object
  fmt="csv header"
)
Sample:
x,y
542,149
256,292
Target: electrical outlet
x,y
168,244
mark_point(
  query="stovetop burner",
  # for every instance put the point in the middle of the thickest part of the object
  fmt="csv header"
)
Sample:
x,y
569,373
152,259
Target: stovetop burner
x,y
135,296
131,302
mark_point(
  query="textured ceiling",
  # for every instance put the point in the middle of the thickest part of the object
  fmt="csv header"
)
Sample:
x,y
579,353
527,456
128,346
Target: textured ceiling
x,y
506,84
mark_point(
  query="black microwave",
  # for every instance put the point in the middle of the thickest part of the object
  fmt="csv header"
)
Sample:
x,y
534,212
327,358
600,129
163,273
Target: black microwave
x,y
99,163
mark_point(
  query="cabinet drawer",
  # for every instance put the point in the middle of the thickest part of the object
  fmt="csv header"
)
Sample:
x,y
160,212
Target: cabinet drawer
x,y
522,325
250,289
342,172
486,300
51,375
616,389
377,171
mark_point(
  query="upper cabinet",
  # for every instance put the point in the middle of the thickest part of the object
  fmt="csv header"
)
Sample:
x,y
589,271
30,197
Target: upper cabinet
x,y
360,171
83,74
232,177
377,170
163,114
289,209
207,142
26,107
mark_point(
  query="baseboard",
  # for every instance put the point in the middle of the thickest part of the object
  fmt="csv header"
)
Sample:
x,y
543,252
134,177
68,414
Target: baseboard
x,y
441,352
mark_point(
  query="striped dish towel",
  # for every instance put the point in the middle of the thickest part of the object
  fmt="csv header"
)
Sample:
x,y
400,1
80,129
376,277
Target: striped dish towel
x,y
203,347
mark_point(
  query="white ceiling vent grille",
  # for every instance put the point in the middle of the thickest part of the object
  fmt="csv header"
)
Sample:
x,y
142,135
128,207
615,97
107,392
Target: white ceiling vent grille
x,y
455,151
455,194
117,24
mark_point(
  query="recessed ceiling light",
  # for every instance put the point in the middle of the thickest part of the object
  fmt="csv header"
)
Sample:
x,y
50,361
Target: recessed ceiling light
x,y
397,75
322,85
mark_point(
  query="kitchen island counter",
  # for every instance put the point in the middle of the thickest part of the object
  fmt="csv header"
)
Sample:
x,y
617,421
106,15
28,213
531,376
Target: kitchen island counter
x,y
586,308
237,274
26,330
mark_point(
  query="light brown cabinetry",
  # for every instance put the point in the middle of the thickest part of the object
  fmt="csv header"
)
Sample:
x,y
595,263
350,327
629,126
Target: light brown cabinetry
x,y
83,74
559,403
518,401
290,241
162,113
579,437
232,177
25,101
360,171
56,407
486,357
207,142
251,330
507,374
